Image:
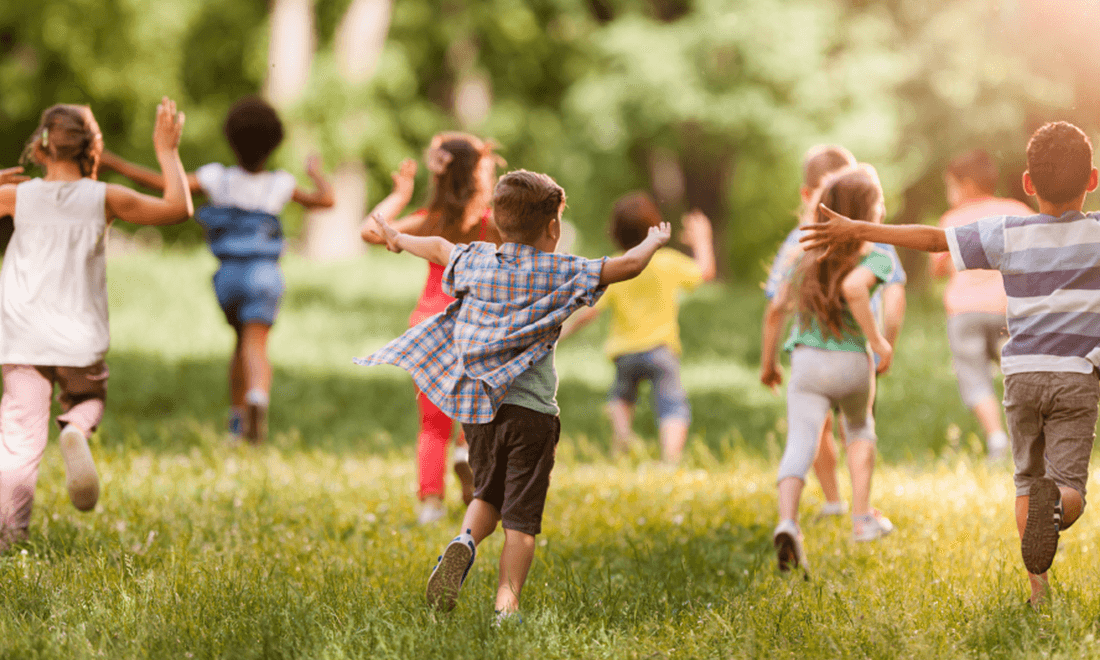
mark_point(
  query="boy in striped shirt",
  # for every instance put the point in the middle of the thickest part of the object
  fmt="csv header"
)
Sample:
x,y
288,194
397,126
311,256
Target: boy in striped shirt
x,y
488,361
1051,268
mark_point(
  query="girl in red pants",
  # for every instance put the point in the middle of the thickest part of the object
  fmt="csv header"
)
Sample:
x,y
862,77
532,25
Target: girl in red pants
x,y
463,170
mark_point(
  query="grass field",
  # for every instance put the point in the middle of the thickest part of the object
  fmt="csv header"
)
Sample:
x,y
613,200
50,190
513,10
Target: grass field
x,y
305,548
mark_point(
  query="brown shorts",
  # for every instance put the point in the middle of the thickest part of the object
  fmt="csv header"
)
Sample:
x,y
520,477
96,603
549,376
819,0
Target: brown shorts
x,y
1052,421
511,458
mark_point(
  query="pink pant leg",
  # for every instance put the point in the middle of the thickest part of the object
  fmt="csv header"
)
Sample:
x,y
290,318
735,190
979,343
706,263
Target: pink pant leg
x,y
431,446
24,429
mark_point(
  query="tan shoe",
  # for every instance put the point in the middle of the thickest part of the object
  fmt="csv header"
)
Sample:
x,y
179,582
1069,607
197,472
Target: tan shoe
x,y
80,474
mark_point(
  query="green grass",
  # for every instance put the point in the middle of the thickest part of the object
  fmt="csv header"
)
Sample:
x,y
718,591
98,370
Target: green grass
x,y
305,548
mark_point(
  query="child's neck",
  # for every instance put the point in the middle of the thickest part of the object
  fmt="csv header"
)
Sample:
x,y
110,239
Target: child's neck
x,y
62,170
1058,210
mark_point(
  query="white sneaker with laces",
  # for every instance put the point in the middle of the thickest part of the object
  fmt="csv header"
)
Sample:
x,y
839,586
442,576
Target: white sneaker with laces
x,y
871,527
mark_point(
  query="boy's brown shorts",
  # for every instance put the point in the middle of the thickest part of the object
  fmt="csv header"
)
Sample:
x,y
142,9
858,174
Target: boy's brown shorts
x,y
511,458
1052,421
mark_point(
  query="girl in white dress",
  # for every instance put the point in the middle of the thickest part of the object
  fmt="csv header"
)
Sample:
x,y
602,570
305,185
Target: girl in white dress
x,y
53,298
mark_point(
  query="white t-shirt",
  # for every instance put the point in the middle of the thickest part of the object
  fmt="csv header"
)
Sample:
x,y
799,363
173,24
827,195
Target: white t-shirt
x,y
233,186
53,284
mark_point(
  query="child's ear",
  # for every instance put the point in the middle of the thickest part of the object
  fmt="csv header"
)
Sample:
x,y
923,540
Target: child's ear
x,y
553,229
1029,187
1094,179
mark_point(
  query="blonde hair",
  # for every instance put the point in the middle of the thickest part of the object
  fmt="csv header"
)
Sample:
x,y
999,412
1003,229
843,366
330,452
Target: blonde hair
x,y
66,132
856,193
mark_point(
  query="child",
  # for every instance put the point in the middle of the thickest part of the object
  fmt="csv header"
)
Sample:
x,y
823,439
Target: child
x,y
242,227
644,341
888,303
975,299
1050,266
463,171
53,298
488,362
830,366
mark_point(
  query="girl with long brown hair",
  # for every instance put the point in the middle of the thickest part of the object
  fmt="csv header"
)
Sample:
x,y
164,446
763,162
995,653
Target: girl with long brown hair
x,y
463,170
830,363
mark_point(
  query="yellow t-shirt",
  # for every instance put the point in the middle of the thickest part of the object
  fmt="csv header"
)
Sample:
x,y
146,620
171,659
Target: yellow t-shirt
x,y
644,310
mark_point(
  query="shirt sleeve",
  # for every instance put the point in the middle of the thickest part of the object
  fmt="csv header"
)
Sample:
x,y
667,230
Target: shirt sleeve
x,y
209,177
788,254
282,187
897,273
879,264
978,245
588,281
451,282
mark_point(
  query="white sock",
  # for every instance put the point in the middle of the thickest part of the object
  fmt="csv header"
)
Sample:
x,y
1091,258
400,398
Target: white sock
x,y
997,440
256,397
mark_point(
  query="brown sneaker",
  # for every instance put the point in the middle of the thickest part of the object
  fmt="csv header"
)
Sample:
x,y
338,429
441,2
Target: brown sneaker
x,y
1044,517
80,473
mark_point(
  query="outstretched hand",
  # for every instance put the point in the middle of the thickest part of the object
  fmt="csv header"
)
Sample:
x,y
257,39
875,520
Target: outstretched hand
x,y
837,229
12,175
404,176
168,127
387,231
659,234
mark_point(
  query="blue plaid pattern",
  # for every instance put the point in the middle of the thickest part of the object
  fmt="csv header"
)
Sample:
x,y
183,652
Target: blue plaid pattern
x,y
511,302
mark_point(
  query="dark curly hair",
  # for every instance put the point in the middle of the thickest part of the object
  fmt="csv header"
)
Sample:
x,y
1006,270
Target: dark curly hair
x,y
254,131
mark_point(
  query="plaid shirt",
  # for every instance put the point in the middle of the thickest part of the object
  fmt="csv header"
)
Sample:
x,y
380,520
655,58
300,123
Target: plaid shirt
x,y
511,303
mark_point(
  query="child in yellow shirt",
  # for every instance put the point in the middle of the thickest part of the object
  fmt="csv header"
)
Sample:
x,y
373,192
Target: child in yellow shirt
x,y
644,340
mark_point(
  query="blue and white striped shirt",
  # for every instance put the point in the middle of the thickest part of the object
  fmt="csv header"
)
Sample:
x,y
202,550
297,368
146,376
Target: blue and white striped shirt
x,y
1051,269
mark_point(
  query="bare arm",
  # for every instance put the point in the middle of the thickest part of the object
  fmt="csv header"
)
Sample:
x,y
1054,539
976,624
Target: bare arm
x,y
8,180
324,196
841,229
941,264
699,237
175,205
578,320
893,311
775,315
631,264
856,289
143,176
391,205
435,249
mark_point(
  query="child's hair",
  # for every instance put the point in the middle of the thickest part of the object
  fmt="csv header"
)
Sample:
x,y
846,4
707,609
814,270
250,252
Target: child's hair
x,y
524,203
66,132
1059,161
453,160
254,131
856,193
821,161
631,217
977,166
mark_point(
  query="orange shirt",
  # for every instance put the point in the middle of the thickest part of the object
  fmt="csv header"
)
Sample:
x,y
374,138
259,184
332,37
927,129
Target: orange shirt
x,y
975,290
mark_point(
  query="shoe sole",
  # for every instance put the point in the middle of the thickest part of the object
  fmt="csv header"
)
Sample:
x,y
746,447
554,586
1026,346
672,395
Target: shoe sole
x,y
466,478
786,551
81,477
446,579
256,428
1040,540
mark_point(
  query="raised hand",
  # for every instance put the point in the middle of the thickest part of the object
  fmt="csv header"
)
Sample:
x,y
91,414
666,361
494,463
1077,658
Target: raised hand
x,y
168,127
404,176
659,234
388,232
314,166
696,228
12,175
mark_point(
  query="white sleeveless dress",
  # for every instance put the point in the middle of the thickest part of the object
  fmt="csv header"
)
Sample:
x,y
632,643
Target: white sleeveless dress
x,y
53,284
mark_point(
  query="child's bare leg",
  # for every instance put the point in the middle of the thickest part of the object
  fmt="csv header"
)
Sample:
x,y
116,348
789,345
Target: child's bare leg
x,y
621,414
481,520
673,434
257,368
825,462
515,562
1072,506
861,465
237,383
790,492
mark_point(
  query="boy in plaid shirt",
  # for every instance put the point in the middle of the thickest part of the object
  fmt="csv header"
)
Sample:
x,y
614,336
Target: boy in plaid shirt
x,y
488,361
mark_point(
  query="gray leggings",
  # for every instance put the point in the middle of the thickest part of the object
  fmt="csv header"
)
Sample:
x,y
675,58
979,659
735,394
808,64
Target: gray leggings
x,y
821,380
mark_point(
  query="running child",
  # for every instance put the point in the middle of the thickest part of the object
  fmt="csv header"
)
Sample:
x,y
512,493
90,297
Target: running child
x,y
463,169
644,340
242,226
830,365
53,298
887,302
1050,266
975,299
488,361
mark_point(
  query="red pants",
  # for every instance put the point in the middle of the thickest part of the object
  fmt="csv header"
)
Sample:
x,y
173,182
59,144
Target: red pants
x,y
431,446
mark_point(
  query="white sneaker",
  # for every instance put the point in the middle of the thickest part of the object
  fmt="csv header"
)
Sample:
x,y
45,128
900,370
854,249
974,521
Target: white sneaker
x,y
80,474
872,527
838,508
430,512
997,447
788,545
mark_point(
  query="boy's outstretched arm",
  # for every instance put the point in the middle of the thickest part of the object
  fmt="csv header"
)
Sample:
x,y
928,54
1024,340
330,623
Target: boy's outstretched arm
x,y
324,197
631,264
841,229
435,249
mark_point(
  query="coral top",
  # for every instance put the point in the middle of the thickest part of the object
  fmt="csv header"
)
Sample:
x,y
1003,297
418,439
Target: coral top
x,y
432,299
976,290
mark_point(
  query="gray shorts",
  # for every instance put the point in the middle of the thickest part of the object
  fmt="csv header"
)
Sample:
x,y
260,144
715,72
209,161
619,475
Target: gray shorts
x,y
820,381
976,339
1052,421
